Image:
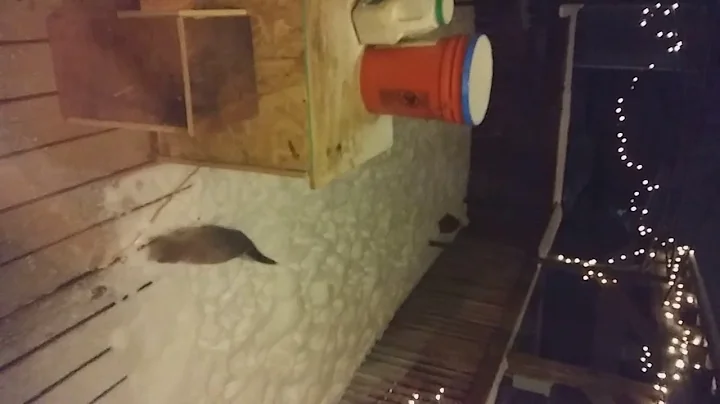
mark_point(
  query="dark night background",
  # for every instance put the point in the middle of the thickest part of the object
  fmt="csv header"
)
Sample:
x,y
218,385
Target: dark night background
x,y
673,129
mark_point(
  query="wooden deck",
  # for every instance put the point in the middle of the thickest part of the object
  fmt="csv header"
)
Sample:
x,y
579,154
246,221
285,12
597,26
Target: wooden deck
x,y
452,333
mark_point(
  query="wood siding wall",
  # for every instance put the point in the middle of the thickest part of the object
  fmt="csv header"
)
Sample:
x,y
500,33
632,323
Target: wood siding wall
x,y
61,288
451,333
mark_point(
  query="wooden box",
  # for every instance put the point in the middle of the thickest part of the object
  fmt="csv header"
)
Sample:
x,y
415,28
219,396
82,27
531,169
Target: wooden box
x,y
266,85
187,71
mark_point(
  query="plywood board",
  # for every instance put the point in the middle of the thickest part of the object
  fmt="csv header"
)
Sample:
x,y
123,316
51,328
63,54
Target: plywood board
x,y
277,24
126,70
343,134
221,71
275,138
25,70
48,170
33,123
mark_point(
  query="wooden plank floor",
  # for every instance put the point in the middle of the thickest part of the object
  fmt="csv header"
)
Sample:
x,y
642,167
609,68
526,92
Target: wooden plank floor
x,y
63,288
447,330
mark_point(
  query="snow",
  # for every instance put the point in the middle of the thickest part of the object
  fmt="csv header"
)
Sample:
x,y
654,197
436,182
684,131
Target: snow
x,y
348,255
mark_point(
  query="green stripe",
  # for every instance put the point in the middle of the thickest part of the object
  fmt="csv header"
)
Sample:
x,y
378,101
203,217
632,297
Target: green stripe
x,y
439,17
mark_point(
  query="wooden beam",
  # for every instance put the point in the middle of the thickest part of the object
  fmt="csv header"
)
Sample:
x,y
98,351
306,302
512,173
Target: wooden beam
x,y
578,377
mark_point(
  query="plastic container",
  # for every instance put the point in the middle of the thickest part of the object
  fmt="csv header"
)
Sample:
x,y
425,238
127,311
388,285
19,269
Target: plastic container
x,y
449,80
386,22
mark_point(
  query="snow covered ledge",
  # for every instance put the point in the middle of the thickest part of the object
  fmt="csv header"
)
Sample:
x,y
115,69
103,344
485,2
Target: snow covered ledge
x,y
349,254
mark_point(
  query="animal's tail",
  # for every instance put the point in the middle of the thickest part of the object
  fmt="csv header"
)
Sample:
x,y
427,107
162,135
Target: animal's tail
x,y
256,255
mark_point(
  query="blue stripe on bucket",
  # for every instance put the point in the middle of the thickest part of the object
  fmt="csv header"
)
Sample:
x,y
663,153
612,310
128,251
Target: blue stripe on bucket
x,y
465,85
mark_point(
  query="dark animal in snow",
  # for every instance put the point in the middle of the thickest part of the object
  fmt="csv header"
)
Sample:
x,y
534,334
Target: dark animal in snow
x,y
206,244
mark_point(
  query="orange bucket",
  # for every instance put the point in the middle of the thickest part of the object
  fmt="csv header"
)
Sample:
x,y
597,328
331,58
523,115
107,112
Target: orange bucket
x,y
447,80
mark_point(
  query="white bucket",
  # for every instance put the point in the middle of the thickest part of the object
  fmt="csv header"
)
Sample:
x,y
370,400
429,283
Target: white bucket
x,y
386,22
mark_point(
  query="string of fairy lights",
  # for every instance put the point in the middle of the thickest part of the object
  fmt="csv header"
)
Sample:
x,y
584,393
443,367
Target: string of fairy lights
x,y
417,398
646,186
686,348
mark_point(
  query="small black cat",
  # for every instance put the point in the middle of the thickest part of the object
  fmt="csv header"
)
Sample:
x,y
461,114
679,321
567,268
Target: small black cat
x,y
207,244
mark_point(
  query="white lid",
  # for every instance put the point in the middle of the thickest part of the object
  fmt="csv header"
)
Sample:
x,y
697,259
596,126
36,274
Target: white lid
x,y
479,84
